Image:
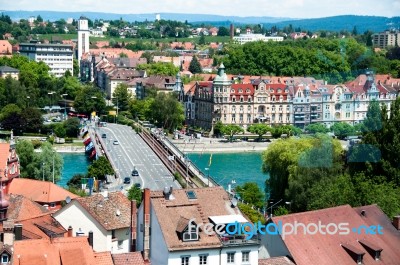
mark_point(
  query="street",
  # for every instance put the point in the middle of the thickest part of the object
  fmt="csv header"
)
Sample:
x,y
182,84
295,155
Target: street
x,y
132,152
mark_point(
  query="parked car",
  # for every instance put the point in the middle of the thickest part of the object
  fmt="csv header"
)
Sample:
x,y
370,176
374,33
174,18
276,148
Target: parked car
x,y
127,180
104,135
115,142
137,185
135,173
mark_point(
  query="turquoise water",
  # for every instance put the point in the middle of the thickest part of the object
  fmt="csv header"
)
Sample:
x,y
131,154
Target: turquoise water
x,y
225,167
74,163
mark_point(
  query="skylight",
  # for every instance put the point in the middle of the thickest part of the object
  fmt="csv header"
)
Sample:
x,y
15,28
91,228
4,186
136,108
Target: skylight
x,y
191,195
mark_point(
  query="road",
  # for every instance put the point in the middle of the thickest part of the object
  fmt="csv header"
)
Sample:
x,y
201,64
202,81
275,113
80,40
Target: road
x,y
132,152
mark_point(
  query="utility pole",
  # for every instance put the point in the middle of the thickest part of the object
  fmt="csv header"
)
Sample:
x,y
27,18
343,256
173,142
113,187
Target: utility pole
x,y
53,165
43,169
65,105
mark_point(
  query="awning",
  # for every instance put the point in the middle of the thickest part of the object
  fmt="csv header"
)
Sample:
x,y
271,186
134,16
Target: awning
x,y
226,219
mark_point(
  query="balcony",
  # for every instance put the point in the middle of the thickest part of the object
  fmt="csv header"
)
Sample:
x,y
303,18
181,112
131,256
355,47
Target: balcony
x,y
239,240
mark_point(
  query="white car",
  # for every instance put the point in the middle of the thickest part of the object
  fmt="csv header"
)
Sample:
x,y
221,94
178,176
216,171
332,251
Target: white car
x,y
115,142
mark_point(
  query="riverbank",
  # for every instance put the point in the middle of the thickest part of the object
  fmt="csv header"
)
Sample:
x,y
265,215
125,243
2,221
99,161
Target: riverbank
x,y
69,149
206,145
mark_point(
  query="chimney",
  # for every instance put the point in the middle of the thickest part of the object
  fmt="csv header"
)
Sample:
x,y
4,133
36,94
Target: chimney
x,y
396,222
70,231
90,238
8,229
146,222
133,225
18,232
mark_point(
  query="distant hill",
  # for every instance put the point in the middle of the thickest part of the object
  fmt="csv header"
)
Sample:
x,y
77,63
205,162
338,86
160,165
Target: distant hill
x,y
335,23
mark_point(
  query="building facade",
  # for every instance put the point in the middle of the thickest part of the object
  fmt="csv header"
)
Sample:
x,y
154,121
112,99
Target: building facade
x,y
386,39
83,37
59,57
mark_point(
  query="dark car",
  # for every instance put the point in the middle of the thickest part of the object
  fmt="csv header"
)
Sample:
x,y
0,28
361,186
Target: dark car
x,y
137,185
127,180
135,173
104,135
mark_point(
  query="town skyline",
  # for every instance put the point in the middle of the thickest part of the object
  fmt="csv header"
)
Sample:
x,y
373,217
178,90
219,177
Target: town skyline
x,y
286,8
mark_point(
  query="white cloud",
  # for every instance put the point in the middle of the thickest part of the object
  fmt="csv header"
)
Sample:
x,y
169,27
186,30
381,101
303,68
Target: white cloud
x,y
272,8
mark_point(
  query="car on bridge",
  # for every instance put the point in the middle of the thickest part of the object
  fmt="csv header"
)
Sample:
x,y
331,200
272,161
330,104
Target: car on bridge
x,y
127,180
115,142
135,173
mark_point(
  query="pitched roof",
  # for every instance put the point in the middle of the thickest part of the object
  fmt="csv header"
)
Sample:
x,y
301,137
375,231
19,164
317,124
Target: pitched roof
x,y
39,191
8,69
332,249
132,258
61,250
22,208
41,227
212,201
103,258
104,210
275,261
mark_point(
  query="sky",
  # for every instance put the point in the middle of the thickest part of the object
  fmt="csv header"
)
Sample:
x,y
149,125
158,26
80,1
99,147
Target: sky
x,y
269,8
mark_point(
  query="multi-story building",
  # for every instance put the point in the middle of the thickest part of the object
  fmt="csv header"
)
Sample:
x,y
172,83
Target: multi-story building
x,y
386,39
249,37
83,37
59,57
167,233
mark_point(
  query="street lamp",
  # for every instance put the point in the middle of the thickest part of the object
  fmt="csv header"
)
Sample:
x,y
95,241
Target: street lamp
x,y
28,99
43,169
273,206
290,205
53,165
65,105
51,100
208,176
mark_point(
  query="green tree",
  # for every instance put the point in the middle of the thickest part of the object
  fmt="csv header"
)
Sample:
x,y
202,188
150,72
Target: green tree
x,y
317,128
89,99
121,97
231,130
71,126
251,193
60,131
27,158
223,31
202,39
167,111
260,129
76,181
159,68
100,168
47,162
342,129
195,66
135,193
33,120
11,118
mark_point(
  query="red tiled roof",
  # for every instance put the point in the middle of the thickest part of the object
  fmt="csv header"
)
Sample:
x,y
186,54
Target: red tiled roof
x,y
132,258
275,261
106,213
328,249
103,258
22,208
39,191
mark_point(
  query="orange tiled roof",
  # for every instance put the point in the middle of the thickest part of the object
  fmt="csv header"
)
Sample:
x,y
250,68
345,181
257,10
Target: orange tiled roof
x,y
132,258
39,191
275,261
22,208
103,258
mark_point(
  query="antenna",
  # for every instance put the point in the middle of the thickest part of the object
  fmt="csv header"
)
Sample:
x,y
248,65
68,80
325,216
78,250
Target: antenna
x,y
68,199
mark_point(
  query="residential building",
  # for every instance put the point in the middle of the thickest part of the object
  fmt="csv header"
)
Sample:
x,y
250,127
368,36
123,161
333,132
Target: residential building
x,y
59,57
5,47
186,96
169,214
9,71
349,239
249,37
386,39
83,37
161,83
45,193
107,216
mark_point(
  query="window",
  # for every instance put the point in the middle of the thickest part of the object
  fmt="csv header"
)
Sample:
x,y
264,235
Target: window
x,y
4,258
112,234
246,256
120,244
185,260
327,107
203,259
52,205
231,257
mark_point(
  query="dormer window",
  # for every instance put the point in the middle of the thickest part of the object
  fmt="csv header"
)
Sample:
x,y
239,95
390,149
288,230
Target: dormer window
x,y
240,90
279,90
232,90
187,232
247,91
5,259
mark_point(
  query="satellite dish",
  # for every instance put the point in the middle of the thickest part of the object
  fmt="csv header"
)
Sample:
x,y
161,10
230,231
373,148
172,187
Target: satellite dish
x,y
118,213
68,199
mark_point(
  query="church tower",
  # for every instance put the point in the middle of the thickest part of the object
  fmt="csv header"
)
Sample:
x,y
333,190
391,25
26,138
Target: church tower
x,y
83,37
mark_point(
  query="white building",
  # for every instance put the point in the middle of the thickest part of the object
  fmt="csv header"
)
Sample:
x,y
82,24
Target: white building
x,y
59,57
108,216
248,37
167,215
83,37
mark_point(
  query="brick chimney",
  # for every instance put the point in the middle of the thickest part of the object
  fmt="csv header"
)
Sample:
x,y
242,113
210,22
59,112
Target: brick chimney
x,y
9,237
396,222
70,231
146,222
133,225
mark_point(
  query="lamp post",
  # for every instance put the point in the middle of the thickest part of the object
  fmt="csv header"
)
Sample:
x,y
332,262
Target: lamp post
x,y
290,206
51,100
54,154
28,99
65,105
43,170
273,206
208,176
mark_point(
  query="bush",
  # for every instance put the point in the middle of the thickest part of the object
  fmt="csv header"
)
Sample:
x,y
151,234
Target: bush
x,y
252,214
36,143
